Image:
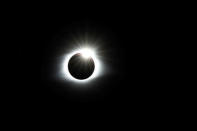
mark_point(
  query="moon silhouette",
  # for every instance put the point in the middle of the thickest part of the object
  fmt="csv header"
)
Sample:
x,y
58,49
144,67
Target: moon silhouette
x,y
81,67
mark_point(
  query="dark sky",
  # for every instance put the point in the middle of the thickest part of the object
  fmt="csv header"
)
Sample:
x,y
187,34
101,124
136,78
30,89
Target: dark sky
x,y
134,38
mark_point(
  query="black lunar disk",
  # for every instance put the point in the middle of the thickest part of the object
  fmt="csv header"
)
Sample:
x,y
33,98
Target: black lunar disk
x,y
80,67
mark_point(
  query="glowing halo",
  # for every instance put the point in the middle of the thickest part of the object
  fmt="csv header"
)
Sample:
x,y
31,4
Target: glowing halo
x,y
86,52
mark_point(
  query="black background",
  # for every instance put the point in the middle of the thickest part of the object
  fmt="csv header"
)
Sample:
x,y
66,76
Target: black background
x,y
136,37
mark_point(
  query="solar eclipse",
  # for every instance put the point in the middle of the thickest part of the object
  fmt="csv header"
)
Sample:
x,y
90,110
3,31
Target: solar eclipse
x,y
81,65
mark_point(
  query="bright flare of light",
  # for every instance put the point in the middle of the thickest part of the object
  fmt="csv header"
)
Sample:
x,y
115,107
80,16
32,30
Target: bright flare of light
x,y
86,53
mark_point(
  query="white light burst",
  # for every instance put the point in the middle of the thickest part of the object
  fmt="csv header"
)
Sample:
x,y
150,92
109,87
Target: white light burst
x,y
86,52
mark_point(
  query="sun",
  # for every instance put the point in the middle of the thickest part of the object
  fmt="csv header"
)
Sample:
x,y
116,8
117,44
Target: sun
x,y
86,53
